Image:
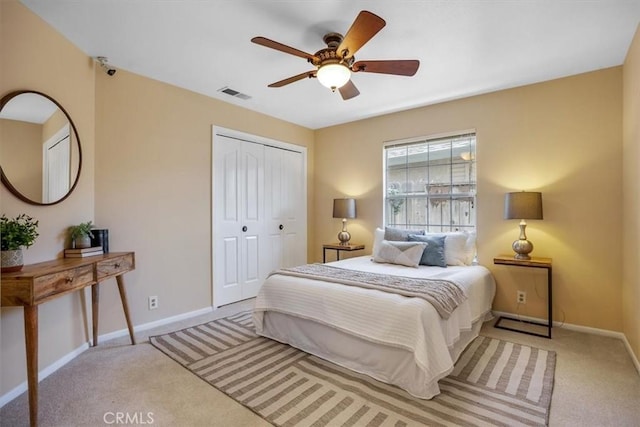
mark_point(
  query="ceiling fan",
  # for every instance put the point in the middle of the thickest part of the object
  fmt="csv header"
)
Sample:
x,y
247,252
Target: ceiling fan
x,y
335,63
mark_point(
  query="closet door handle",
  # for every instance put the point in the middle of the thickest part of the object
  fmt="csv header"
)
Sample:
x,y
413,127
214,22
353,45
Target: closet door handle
x,y
244,228
281,227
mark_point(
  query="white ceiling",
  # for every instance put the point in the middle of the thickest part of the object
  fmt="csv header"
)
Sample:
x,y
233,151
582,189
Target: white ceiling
x,y
465,47
28,107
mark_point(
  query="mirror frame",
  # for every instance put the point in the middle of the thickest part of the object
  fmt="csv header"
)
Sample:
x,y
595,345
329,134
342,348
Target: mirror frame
x,y
5,180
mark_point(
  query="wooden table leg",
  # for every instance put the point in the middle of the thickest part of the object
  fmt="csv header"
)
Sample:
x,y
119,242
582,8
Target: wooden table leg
x,y
31,343
95,305
125,307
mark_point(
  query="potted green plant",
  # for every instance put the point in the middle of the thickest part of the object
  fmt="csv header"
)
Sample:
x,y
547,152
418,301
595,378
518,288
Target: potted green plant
x,y
15,234
81,235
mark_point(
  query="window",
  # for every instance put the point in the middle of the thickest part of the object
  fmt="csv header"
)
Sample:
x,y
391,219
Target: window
x,y
431,184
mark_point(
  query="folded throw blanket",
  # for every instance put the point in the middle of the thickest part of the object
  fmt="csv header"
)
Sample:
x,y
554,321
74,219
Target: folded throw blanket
x,y
444,295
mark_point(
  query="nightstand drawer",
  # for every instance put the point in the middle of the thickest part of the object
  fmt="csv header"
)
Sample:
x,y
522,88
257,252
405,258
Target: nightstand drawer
x,y
62,282
114,266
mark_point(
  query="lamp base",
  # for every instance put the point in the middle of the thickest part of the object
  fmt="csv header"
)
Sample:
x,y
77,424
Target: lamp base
x,y
344,238
522,248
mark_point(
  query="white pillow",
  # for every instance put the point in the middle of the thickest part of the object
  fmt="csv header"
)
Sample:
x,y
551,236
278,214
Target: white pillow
x,y
455,247
402,253
470,248
378,237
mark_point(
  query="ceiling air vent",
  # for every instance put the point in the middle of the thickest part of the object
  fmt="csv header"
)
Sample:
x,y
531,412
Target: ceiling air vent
x,y
234,93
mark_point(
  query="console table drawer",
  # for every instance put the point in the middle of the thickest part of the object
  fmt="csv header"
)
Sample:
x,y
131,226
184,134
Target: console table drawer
x,y
62,282
114,266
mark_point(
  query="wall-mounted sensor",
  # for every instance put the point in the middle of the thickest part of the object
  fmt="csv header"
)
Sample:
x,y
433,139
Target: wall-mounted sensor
x,y
103,61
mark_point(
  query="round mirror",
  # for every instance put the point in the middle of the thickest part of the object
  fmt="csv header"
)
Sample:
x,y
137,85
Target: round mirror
x,y
40,152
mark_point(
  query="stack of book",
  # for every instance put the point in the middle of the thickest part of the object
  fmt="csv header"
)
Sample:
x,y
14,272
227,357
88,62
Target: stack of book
x,y
83,252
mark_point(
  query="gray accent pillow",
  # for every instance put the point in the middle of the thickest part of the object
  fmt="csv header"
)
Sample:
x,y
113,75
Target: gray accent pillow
x,y
455,247
434,252
403,253
399,234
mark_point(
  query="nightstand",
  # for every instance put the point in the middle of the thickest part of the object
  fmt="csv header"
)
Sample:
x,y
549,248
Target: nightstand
x,y
529,263
338,247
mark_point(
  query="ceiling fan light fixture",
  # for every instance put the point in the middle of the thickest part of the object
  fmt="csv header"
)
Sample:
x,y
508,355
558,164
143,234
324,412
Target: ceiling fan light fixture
x,y
334,75
334,64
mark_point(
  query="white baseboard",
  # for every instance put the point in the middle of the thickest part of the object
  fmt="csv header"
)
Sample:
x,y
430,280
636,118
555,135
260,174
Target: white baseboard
x,y
578,328
155,323
633,356
44,373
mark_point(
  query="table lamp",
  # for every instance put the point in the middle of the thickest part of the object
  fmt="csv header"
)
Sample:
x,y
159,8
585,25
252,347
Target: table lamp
x,y
344,208
523,205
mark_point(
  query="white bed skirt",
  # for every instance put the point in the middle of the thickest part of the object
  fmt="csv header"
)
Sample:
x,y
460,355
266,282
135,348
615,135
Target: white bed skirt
x,y
391,365
395,339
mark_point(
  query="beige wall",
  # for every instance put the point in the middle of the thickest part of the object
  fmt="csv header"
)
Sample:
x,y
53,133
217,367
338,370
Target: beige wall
x,y
21,154
562,138
153,177
54,124
631,196
33,56
153,186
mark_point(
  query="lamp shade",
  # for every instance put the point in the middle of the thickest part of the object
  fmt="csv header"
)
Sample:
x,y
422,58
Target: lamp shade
x,y
344,208
523,205
333,76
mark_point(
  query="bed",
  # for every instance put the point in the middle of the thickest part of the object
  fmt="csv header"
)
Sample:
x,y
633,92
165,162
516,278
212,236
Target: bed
x,y
393,338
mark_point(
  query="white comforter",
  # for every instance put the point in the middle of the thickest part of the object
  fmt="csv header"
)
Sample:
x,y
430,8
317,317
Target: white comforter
x,y
379,317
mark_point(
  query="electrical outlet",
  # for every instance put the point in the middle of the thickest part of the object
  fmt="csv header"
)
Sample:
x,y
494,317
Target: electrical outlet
x,y
153,303
521,297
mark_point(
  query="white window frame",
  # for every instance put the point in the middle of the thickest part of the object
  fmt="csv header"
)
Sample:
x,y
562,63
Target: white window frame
x,y
423,189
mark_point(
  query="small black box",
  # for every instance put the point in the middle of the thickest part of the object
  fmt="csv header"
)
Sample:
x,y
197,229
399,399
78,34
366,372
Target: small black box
x,y
100,238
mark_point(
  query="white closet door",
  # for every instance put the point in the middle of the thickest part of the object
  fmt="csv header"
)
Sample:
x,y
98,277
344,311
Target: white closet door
x,y
294,210
238,227
284,208
228,220
259,213
274,209
252,210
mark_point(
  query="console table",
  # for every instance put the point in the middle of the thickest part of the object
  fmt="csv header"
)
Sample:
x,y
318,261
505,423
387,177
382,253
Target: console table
x,y
38,283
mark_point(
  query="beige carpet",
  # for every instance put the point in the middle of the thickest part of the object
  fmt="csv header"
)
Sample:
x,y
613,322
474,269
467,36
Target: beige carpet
x,y
494,382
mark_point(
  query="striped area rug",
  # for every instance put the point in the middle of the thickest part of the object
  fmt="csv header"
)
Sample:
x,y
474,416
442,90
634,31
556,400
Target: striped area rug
x,y
494,383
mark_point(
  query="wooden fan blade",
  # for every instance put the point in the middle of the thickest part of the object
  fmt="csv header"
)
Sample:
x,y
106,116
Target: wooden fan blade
x,y
402,67
362,30
263,41
349,90
300,76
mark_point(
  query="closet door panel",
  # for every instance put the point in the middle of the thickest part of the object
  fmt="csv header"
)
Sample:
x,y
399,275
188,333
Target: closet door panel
x,y
252,182
252,277
252,211
231,267
292,200
231,199
273,206
227,235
